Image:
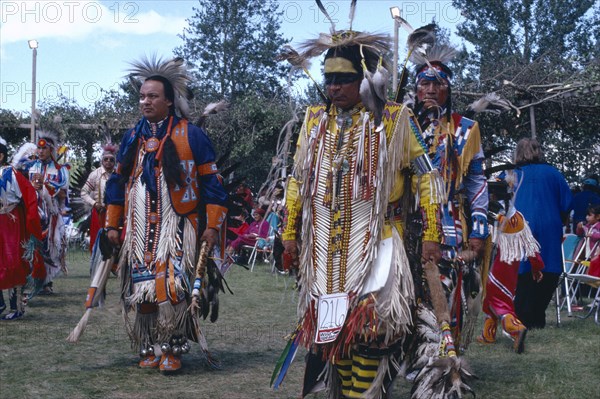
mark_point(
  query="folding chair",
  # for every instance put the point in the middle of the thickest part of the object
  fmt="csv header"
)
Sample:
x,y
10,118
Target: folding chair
x,y
582,276
572,249
575,273
266,252
594,306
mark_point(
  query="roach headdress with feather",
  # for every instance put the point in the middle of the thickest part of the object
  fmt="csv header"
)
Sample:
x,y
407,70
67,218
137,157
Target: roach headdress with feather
x,y
109,149
174,76
430,57
350,56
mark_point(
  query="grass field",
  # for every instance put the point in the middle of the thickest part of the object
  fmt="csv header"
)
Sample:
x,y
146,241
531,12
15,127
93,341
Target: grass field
x,y
37,362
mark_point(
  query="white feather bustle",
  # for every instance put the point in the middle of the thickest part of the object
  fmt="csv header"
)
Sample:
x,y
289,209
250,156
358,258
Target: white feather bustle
x,y
23,154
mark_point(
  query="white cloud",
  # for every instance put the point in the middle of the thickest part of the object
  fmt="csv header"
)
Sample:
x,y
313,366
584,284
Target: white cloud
x,y
79,20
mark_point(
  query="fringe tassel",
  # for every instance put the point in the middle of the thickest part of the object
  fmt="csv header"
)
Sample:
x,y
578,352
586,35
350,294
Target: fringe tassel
x,y
468,331
18,291
31,246
169,319
470,150
517,246
334,383
395,299
166,317
143,329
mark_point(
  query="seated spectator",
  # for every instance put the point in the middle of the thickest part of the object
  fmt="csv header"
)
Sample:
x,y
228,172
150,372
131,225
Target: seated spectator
x,y
591,230
259,228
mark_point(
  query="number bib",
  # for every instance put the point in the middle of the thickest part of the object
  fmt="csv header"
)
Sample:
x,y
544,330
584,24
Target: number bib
x,y
331,315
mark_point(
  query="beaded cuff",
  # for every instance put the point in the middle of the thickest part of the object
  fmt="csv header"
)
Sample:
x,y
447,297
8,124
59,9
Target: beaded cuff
x,y
289,231
422,165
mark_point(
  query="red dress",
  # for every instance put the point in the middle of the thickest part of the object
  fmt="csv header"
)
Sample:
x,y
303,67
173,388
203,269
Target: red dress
x,y
515,243
19,220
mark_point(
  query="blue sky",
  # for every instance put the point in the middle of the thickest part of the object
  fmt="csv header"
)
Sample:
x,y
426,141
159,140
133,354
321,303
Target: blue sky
x,y
85,45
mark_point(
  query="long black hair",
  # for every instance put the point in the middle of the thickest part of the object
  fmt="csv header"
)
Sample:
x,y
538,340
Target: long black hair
x,y
172,169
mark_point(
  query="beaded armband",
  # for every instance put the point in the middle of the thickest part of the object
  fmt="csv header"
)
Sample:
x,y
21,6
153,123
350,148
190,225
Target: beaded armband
x,y
289,231
431,222
292,210
422,165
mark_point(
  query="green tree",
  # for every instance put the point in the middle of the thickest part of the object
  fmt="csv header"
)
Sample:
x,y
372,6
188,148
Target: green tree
x,y
85,129
232,45
250,131
541,55
10,129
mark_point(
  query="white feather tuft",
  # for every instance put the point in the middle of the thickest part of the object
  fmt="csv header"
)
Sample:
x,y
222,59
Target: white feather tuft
x,y
214,108
491,102
23,154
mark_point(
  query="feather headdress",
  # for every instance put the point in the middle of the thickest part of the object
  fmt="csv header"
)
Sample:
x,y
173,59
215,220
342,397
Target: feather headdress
x,y
369,49
174,71
438,53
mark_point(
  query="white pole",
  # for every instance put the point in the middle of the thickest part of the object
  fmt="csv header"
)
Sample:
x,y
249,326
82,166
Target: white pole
x,y
395,75
33,84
